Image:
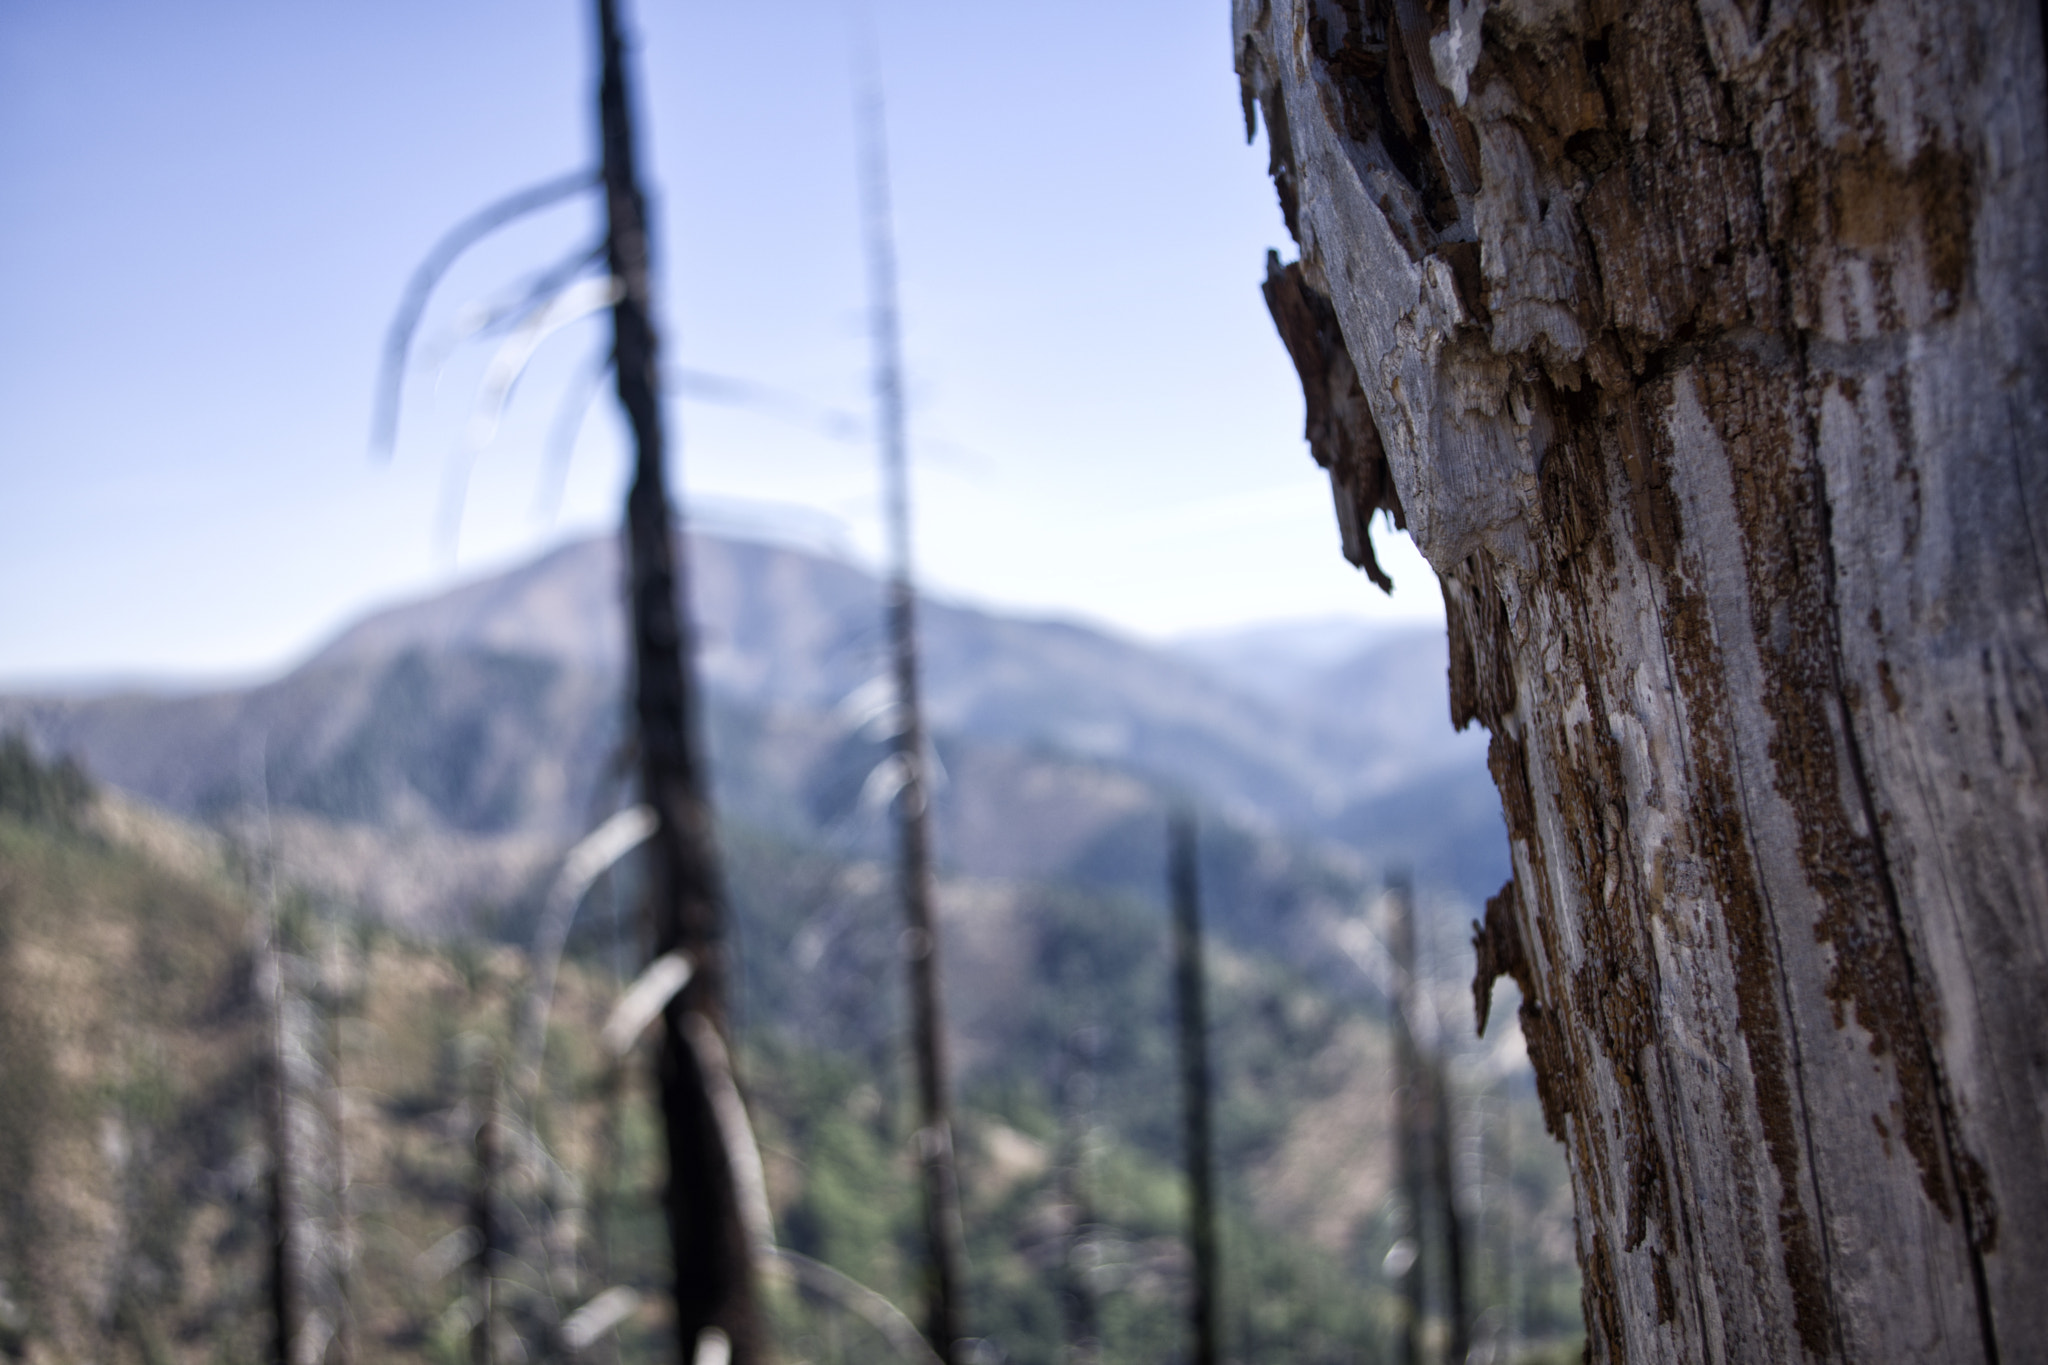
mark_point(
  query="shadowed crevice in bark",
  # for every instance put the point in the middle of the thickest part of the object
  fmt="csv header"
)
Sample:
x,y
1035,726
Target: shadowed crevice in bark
x,y
1497,952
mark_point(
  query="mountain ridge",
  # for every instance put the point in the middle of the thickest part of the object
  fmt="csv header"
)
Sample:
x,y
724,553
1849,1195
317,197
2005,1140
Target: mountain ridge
x,y
492,714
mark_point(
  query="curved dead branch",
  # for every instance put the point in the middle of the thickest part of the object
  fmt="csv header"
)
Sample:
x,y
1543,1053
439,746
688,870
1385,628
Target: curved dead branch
x,y
458,239
563,432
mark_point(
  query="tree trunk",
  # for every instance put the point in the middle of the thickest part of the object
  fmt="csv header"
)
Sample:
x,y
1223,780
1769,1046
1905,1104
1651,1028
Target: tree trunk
x,y
1705,345
1183,875
1443,1174
1080,1318
483,1220
945,1233
277,1116
712,1260
1410,1146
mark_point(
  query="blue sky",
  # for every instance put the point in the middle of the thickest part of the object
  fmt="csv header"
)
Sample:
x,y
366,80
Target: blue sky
x,y
207,214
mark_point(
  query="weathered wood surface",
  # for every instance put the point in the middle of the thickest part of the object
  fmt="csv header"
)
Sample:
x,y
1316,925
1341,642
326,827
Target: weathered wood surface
x,y
1706,347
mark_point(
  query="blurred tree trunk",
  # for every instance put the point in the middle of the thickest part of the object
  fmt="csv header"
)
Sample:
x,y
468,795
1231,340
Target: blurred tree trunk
x,y
284,1234
483,1219
1198,1144
1443,1172
712,1259
945,1234
1080,1318
1705,347
1411,1146
339,983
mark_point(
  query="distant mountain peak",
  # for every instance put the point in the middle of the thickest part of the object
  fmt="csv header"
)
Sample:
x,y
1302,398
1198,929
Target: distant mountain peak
x,y
493,711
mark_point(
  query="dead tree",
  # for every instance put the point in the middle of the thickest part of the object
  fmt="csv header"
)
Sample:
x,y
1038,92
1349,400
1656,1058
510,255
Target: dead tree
x,y
1705,349
714,1287
1450,1219
1204,1309
944,1236
483,1218
713,1273
1080,1318
1425,1140
277,1115
1411,1119
339,985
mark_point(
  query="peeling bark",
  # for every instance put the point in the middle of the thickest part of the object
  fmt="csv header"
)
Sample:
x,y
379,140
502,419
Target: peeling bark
x,y
1339,427
1705,348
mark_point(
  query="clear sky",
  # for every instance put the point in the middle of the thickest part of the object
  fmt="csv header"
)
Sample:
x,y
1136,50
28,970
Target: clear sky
x,y
207,213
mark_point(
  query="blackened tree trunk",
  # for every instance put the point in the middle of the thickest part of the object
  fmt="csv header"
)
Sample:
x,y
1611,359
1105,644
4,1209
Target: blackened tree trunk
x,y
1079,1318
283,1277
713,1270
944,1235
1706,347
1183,875
483,1220
1411,1117
1443,1171
337,994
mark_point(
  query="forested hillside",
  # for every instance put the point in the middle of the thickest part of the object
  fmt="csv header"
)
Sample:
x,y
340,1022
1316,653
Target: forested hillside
x,y
133,950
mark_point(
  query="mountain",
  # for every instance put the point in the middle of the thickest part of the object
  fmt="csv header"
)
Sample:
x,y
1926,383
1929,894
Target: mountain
x,y
1273,659
436,757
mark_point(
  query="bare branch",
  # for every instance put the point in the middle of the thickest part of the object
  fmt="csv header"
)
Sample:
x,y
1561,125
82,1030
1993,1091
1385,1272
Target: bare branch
x,y
605,1311
512,306
464,235
590,859
884,1316
501,376
644,1001
749,1178
509,362
834,424
726,391
560,451
540,289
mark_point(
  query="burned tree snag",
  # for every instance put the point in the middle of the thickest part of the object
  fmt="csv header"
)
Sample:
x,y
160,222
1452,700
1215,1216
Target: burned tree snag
x,y
1339,427
685,915
713,1262
280,1178
1080,1319
1203,1308
945,1237
1707,347
483,1219
1411,1120
1443,1172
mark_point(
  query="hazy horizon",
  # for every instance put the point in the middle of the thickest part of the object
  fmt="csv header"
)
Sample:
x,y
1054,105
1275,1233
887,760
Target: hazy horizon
x,y
213,215
747,522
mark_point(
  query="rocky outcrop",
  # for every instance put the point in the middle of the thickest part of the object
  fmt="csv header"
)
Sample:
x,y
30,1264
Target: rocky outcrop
x,y
1704,352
